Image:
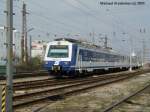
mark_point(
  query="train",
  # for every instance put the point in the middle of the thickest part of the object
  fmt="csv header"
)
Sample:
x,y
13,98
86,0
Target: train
x,y
70,57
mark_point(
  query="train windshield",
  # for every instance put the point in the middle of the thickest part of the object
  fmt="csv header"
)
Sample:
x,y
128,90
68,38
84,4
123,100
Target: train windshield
x,y
58,51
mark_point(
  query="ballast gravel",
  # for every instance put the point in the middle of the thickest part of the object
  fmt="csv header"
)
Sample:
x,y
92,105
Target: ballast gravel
x,y
97,99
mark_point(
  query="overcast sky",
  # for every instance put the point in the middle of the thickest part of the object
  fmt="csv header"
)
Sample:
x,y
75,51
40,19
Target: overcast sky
x,y
79,18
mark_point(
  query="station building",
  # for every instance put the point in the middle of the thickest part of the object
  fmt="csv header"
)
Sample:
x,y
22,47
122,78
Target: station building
x,y
38,49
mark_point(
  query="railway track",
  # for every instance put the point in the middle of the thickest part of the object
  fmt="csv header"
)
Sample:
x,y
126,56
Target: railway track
x,y
68,89
26,74
117,104
54,82
27,85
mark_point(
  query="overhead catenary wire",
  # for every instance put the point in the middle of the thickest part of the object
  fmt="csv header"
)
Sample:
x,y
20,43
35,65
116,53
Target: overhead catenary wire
x,y
88,8
63,25
86,12
116,21
131,35
53,19
48,19
56,20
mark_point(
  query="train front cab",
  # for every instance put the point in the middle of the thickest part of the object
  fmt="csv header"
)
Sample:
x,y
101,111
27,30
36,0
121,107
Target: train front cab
x,y
60,59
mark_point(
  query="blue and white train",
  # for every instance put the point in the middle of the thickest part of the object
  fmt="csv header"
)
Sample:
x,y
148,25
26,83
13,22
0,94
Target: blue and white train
x,y
71,57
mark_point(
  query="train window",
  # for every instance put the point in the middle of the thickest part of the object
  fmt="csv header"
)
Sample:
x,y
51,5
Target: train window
x,y
58,51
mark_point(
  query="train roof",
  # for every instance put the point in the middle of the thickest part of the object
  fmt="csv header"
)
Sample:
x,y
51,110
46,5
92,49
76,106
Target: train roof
x,y
76,41
83,43
69,40
88,45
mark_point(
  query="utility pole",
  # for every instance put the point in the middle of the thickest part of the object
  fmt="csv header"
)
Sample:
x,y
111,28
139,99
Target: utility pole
x,y
142,31
143,57
24,49
131,53
9,47
93,37
30,50
106,41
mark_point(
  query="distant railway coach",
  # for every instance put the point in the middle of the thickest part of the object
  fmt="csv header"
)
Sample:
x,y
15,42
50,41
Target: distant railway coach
x,y
71,57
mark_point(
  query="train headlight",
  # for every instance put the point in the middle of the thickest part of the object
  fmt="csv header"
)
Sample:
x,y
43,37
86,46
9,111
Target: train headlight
x,y
66,62
46,62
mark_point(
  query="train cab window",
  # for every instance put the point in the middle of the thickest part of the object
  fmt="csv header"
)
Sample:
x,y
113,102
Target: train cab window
x,y
58,51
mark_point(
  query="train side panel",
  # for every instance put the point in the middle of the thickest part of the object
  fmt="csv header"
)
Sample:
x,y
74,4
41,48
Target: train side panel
x,y
90,60
80,58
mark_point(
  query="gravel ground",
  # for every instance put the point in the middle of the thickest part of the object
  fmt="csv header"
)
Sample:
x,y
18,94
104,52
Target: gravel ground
x,y
97,99
139,103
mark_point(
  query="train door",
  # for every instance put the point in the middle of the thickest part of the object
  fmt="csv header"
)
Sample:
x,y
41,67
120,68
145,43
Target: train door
x,y
80,63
